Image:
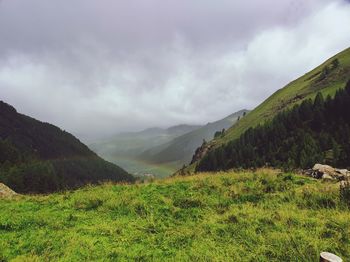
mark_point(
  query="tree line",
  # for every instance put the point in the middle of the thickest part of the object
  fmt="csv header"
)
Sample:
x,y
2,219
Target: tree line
x,y
38,157
315,131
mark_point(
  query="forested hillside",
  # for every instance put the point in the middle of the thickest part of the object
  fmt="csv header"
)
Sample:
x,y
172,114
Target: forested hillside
x,y
326,79
39,157
315,131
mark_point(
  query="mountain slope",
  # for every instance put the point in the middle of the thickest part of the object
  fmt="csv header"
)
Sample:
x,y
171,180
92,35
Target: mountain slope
x,y
295,92
326,78
125,148
313,132
181,149
39,157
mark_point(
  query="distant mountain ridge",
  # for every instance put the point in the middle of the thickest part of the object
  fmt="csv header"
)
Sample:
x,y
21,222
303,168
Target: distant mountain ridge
x,y
124,148
130,144
40,157
181,148
160,151
154,131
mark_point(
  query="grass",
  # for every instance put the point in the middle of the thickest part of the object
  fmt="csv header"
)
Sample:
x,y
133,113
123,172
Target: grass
x,y
261,216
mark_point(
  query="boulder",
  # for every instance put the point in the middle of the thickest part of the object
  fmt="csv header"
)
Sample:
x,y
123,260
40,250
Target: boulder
x,y
6,191
320,171
324,169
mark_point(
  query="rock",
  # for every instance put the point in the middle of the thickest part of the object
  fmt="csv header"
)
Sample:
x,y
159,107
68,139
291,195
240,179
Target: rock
x,y
343,172
6,191
327,177
201,152
344,184
324,169
329,257
320,171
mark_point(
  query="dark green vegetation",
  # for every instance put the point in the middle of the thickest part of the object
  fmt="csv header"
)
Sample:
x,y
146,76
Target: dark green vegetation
x,y
313,132
262,216
39,157
160,151
326,78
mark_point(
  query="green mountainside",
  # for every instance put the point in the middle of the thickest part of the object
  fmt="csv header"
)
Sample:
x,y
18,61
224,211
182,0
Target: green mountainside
x,y
326,79
39,157
313,132
264,216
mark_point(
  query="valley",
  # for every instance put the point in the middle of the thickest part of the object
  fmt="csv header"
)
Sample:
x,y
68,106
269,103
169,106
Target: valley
x,y
160,152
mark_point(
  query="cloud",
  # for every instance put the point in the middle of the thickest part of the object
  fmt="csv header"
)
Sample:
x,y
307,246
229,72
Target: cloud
x,y
100,67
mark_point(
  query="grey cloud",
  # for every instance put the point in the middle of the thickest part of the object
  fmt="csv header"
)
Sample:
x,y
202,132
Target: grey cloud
x,y
99,67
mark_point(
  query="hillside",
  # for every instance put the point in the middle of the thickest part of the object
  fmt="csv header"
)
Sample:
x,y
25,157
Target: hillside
x,y
313,132
326,78
125,148
264,216
181,149
39,157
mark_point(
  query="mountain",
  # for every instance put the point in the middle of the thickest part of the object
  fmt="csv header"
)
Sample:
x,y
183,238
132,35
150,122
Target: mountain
x,y
326,79
179,151
132,143
39,157
313,132
125,148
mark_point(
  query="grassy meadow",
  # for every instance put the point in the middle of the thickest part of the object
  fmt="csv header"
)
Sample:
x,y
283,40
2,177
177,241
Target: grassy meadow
x,y
235,216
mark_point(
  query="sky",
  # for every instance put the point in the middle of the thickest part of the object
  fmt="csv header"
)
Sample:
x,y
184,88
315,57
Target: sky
x,y
99,67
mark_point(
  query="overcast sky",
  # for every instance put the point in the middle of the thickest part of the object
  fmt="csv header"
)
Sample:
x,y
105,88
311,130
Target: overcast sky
x,y
98,67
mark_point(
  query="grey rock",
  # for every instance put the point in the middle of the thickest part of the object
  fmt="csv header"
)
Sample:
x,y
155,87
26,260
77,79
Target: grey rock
x,y
320,171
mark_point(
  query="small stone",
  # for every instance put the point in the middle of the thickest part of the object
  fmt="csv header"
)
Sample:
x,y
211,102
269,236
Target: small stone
x,y
329,257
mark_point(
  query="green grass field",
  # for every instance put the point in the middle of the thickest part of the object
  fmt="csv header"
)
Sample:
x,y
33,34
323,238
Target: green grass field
x,y
261,216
